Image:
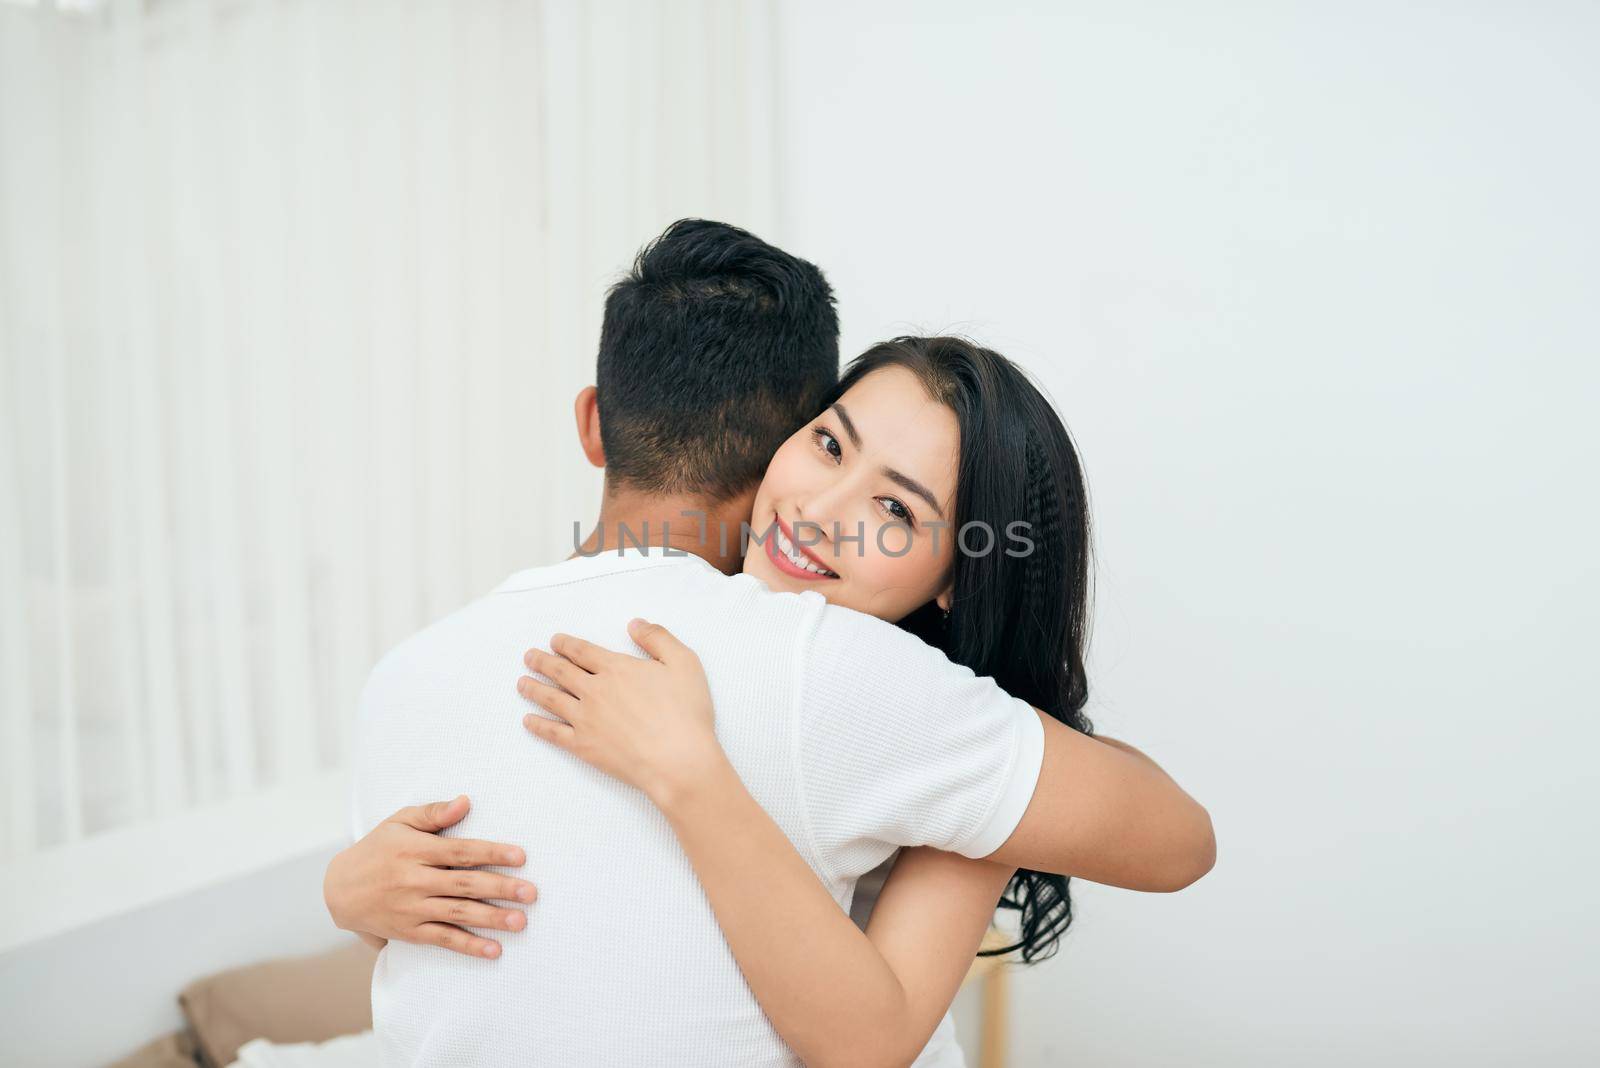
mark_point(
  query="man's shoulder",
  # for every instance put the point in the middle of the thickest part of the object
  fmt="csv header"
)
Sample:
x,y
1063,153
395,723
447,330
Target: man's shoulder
x,y
738,613
431,643
576,595
844,636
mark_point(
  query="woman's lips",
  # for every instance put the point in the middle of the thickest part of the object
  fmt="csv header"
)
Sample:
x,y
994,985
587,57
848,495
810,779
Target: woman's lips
x,y
805,552
781,561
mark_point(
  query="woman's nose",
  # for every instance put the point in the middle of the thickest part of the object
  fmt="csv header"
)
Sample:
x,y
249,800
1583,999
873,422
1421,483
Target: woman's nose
x,y
825,509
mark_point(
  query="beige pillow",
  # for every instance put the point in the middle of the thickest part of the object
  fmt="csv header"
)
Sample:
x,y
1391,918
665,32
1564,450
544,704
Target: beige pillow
x,y
297,999
169,1051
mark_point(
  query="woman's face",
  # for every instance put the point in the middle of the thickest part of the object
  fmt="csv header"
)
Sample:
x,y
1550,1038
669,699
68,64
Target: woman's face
x,y
881,464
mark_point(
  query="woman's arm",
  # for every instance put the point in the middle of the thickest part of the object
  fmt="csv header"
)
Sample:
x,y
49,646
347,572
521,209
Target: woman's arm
x,y
835,995
951,897
404,881
1101,810
1105,812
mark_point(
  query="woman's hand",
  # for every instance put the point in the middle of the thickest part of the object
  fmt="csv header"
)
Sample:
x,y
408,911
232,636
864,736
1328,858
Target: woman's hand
x,y
402,881
646,722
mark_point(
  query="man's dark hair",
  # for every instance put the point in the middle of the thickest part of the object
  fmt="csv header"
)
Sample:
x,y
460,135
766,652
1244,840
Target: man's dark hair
x,y
715,348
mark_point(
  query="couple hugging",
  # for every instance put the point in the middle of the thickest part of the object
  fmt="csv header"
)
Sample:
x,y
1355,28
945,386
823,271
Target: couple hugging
x,y
707,759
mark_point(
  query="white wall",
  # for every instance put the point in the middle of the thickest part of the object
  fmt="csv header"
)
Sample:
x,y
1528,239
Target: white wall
x,y
1308,285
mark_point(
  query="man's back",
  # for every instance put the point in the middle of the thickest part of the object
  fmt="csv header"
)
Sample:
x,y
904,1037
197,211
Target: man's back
x,y
622,961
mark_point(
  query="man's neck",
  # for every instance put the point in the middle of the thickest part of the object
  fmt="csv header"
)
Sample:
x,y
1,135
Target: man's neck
x,y
632,519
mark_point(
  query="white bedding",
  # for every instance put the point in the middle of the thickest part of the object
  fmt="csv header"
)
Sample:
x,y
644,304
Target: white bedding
x,y
346,1051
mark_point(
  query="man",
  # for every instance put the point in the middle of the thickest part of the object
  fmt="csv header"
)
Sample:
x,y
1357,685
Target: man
x,y
712,351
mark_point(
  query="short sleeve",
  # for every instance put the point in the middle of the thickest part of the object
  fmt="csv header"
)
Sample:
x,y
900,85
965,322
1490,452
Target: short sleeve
x,y
897,744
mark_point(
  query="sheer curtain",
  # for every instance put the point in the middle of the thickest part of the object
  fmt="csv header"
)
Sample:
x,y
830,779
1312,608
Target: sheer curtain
x,y
294,297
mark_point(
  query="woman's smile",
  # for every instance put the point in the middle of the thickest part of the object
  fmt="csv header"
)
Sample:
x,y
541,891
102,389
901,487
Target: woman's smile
x,y
792,558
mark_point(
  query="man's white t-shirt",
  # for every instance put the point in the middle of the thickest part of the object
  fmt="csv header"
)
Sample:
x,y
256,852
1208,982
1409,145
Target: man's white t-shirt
x,y
856,737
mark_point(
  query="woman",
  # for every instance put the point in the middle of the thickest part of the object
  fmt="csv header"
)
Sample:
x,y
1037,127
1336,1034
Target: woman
x,y
971,499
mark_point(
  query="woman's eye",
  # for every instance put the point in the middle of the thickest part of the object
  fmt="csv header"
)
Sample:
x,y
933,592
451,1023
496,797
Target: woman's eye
x,y
897,511
827,443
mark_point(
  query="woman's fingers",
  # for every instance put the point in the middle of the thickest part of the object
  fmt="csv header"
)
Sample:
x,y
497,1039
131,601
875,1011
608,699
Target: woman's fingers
x,y
470,853
587,655
465,913
566,674
658,641
453,938
480,885
550,698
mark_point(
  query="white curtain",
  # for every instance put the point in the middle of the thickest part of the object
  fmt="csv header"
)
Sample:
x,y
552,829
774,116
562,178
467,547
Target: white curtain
x,y
294,298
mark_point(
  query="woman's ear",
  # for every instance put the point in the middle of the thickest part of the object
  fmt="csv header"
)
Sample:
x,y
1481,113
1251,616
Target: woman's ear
x,y
587,410
943,600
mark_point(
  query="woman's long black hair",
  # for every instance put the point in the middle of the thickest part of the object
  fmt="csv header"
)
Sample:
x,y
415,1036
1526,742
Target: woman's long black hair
x,y
1021,619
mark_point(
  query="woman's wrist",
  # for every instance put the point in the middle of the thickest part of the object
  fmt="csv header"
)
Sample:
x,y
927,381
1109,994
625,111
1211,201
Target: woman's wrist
x,y
685,786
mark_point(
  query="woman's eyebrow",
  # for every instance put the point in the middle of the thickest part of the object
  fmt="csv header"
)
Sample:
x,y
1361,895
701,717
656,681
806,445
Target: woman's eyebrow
x,y
905,481
849,427
915,487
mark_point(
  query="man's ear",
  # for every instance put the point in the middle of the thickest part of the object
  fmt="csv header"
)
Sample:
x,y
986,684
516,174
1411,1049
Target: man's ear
x,y
587,410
